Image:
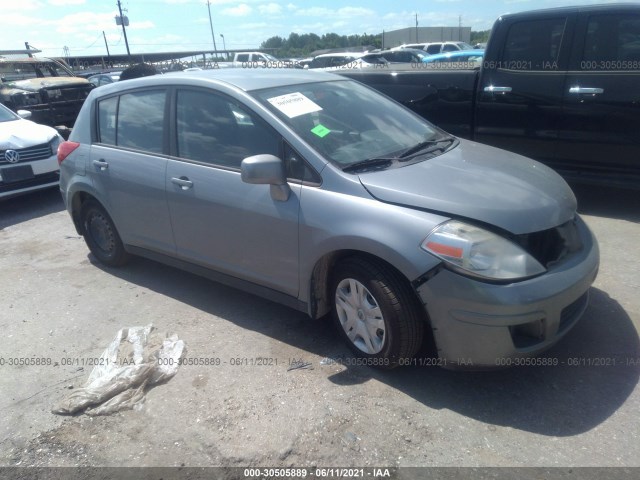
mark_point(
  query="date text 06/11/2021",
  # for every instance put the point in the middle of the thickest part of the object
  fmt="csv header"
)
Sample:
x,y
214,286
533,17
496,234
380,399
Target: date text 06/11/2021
x,y
318,472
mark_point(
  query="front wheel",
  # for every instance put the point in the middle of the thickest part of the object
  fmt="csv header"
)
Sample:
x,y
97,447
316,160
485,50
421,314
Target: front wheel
x,y
101,236
376,312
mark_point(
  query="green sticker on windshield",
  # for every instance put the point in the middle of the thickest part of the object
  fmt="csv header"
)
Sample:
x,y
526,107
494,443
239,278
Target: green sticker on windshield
x,y
321,131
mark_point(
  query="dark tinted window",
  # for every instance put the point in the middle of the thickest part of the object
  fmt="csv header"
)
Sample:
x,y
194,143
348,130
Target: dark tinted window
x,y
449,47
214,129
339,61
242,57
435,48
319,62
535,42
612,43
141,120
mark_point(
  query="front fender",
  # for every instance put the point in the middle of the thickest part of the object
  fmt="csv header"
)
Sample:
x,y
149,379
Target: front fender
x,y
332,222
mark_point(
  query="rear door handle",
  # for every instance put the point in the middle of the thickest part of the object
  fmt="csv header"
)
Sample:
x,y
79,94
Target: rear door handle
x,y
586,90
182,182
493,89
101,164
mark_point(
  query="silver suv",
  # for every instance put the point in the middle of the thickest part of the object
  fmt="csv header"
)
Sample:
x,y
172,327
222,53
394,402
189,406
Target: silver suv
x,y
317,192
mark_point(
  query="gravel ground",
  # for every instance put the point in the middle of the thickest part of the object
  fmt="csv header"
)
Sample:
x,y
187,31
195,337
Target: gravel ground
x,y
57,303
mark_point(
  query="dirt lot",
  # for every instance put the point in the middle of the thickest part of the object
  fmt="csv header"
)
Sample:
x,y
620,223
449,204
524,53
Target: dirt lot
x,y
56,303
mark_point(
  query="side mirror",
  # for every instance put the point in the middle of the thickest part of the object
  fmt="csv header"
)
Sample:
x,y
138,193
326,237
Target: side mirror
x,y
266,170
24,114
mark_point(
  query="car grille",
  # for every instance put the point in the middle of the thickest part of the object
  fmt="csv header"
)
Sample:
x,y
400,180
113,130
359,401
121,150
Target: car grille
x,y
69,94
29,154
553,245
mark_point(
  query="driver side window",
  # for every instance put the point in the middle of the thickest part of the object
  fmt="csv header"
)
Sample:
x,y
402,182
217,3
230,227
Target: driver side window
x,y
214,129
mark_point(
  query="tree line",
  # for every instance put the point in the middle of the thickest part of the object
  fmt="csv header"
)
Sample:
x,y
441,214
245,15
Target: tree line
x,y
301,45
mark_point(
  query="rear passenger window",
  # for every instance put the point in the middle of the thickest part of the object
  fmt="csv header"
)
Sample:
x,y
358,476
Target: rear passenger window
x,y
212,129
612,43
534,44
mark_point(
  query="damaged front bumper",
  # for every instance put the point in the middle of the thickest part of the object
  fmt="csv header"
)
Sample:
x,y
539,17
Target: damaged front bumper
x,y
480,325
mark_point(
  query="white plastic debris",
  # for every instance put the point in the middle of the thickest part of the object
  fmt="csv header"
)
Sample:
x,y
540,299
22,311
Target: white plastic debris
x,y
137,358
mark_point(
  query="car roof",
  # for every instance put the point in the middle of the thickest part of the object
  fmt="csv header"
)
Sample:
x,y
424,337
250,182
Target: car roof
x,y
244,79
341,54
608,7
410,50
477,52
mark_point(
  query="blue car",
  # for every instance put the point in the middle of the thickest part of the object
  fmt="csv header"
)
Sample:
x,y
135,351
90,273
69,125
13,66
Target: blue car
x,y
457,59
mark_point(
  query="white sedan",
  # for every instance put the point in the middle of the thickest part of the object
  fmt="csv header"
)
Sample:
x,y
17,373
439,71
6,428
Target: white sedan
x,y
28,154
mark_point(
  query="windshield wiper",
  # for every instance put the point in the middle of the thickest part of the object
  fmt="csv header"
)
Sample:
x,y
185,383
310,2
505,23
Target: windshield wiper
x,y
375,163
421,146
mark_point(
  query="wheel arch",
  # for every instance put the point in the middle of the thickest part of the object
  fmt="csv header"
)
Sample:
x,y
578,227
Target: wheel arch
x,y
320,280
78,201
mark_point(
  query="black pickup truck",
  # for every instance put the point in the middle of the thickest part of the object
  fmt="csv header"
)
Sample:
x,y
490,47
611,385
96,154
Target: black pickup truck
x,y
560,85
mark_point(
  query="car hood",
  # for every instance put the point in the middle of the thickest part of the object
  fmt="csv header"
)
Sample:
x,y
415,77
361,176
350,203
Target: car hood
x,y
480,183
23,134
35,84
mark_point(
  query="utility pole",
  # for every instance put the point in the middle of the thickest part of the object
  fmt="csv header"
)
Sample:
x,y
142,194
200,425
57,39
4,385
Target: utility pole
x,y
215,48
106,45
416,28
124,30
26,44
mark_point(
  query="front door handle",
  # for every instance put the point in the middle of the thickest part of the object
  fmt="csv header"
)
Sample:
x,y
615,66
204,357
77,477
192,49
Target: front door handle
x,y
101,164
183,182
586,90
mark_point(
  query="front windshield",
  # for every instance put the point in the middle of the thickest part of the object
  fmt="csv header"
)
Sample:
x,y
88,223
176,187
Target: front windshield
x,y
7,115
13,71
347,122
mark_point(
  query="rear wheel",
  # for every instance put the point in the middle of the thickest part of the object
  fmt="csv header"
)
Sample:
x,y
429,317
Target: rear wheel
x,y
376,312
101,235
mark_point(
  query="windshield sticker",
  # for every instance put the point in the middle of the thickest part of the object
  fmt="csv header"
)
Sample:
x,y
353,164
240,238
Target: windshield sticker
x,y
321,131
294,104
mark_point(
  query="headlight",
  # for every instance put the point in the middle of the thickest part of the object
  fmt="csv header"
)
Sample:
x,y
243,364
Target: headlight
x,y
55,142
26,99
480,253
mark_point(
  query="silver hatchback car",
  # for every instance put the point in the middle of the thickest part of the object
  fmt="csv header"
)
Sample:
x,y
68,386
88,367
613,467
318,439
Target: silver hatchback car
x,y
317,192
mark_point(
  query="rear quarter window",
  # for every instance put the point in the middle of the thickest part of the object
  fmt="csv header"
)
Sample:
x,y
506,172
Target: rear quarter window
x,y
133,120
107,110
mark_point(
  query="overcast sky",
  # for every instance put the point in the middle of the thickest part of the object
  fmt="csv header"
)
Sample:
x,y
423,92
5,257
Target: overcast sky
x,y
168,25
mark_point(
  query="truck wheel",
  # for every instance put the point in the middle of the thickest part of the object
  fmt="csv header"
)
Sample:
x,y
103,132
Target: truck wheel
x,y
376,313
101,236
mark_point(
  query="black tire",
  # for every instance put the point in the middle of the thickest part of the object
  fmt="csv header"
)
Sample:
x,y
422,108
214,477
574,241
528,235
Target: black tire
x,y
101,235
389,313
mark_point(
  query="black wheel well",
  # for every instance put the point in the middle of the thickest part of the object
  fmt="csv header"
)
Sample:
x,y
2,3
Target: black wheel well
x,y
78,202
321,278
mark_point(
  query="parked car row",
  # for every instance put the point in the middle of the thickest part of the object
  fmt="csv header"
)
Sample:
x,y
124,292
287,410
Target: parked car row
x,y
433,48
471,58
